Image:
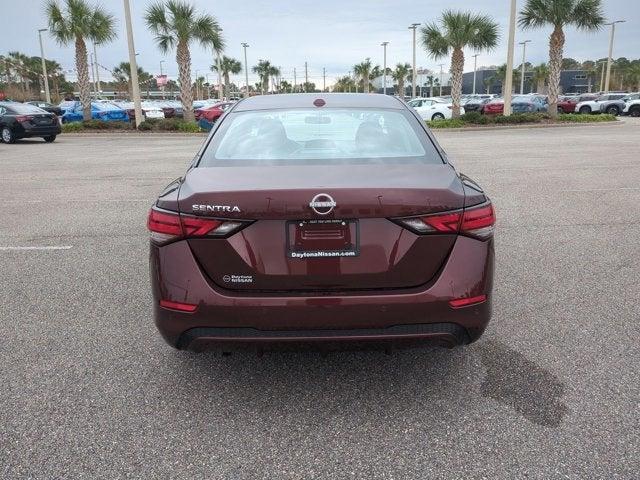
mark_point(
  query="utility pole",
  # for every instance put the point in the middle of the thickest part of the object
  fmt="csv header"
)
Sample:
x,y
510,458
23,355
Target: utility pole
x,y
95,58
306,78
295,80
161,74
475,69
93,75
324,79
133,64
508,81
609,58
246,68
219,65
47,94
413,66
602,77
384,67
524,50
441,65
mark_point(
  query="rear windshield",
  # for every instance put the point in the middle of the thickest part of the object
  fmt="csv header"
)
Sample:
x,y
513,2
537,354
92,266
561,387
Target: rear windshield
x,y
24,109
319,137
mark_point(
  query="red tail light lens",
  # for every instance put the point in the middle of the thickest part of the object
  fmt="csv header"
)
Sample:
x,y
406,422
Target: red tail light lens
x,y
23,118
168,226
179,306
477,222
467,302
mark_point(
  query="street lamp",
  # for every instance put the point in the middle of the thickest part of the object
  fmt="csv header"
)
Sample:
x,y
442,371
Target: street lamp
x,y
162,79
508,80
44,66
475,69
413,27
246,68
95,59
218,64
135,87
441,65
384,68
524,49
609,58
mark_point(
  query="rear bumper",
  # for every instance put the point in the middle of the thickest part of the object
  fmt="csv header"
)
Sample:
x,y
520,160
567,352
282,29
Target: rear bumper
x,y
224,317
45,131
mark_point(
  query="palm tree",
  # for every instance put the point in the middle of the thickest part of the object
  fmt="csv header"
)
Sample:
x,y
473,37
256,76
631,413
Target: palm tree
x,y
458,30
488,82
540,76
362,72
265,71
634,74
583,14
400,74
122,74
76,22
176,23
228,66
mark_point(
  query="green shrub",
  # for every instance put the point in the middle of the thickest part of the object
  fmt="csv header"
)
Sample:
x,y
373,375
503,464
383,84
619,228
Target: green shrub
x,y
72,127
189,127
585,118
450,123
102,125
472,117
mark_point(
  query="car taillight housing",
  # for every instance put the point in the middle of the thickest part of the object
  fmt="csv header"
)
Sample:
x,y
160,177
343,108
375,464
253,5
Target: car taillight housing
x,y
477,222
23,118
166,226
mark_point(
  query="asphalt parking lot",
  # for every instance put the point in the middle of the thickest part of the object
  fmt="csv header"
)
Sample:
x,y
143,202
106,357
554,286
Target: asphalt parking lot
x,y
552,390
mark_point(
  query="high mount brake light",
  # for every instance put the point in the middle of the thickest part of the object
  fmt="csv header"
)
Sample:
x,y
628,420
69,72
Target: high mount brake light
x,y
477,222
166,226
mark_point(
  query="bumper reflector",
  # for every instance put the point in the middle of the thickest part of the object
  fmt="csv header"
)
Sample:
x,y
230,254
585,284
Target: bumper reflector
x,y
467,302
181,307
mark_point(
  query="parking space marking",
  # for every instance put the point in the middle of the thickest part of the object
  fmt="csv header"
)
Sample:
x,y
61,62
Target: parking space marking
x,y
27,248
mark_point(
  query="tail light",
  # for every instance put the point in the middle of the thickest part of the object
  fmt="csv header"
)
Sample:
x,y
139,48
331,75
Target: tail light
x,y
477,222
166,226
23,118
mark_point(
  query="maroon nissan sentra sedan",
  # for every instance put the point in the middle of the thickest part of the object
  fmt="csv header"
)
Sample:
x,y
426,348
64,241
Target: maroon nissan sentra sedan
x,y
320,219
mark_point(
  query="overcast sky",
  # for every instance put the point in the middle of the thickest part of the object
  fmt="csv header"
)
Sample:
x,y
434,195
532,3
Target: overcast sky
x,y
334,34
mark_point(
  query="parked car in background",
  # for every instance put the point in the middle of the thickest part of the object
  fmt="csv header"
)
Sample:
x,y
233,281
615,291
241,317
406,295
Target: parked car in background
x,y
519,104
433,108
213,112
149,110
167,108
105,111
593,106
22,120
616,107
567,103
474,103
47,107
632,108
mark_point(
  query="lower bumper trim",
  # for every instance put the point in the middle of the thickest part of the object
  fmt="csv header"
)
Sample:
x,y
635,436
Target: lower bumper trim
x,y
199,339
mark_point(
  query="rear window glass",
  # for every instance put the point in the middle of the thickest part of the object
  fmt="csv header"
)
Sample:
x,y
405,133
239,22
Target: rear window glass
x,y
24,108
319,137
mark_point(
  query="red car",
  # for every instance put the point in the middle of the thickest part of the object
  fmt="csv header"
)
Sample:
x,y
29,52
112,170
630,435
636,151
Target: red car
x,y
321,219
212,113
494,107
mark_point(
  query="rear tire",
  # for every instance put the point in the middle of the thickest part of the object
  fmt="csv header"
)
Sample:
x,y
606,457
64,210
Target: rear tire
x,y
7,135
613,110
634,111
49,139
560,110
437,116
585,110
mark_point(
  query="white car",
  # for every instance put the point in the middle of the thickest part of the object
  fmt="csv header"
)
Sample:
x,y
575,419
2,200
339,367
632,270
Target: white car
x,y
593,106
433,108
149,109
632,108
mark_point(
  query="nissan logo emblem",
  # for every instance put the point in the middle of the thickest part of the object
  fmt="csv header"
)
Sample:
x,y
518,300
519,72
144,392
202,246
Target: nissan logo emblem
x,y
322,204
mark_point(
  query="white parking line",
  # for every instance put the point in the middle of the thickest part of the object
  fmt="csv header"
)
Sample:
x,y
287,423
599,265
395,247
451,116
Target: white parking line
x,y
47,247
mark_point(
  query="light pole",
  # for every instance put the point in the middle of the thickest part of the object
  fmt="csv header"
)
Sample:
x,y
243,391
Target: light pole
x,y
324,79
93,74
602,77
246,68
44,66
441,65
133,64
219,65
609,58
384,67
162,75
197,86
508,81
95,59
413,66
524,49
475,69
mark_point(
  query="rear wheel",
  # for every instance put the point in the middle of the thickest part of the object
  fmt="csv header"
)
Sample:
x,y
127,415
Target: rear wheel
x,y
613,110
560,110
50,138
7,135
437,116
635,111
585,110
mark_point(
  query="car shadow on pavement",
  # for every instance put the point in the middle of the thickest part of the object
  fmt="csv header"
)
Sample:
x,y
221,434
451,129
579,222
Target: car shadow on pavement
x,y
518,383
409,381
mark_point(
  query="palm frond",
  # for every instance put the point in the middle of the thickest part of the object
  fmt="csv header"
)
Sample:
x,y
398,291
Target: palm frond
x,y
434,41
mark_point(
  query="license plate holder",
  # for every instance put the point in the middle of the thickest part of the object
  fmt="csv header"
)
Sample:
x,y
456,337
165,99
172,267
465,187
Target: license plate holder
x,y
322,238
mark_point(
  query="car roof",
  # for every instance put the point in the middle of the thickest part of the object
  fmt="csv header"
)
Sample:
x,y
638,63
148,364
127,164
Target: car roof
x,y
335,100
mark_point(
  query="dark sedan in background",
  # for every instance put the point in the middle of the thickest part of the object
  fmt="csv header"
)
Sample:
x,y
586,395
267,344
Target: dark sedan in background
x,y
22,120
47,107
